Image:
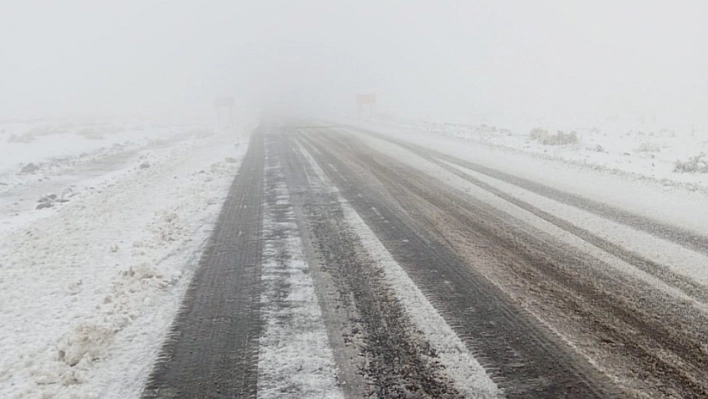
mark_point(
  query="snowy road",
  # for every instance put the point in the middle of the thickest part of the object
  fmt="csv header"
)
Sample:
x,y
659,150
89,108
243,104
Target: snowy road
x,y
351,263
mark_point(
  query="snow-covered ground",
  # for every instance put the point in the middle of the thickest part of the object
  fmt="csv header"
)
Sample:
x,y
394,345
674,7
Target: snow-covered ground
x,y
41,158
89,283
53,146
643,151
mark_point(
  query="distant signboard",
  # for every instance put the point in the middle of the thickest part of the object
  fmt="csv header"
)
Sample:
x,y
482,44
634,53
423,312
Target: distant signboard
x,y
225,111
366,99
226,102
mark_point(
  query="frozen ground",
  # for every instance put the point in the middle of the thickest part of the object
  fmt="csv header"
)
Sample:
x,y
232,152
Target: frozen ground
x,y
90,283
646,151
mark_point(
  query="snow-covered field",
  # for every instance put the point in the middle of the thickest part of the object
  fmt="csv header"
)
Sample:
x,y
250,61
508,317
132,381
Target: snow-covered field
x,y
646,152
54,146
40,158
90,282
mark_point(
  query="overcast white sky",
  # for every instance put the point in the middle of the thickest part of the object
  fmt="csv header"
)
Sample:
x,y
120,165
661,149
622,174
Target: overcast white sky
x,y
556,59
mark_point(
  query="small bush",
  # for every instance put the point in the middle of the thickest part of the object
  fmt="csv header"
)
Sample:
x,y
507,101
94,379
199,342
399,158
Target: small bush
x,y
24,138
538,133
506,132
559,138
695,164
91,133
648,147
485,129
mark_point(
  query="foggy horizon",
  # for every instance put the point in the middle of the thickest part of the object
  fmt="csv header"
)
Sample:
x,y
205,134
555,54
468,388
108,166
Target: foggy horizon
x,y
502,61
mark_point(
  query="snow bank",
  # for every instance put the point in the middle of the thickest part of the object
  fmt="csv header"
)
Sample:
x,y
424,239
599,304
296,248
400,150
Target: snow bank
x,y
88,290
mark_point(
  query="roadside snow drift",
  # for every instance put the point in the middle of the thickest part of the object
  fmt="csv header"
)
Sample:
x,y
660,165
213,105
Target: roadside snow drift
x,y
89,287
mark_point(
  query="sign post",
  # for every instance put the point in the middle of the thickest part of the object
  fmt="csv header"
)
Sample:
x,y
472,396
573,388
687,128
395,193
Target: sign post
x,y
362,100
225,104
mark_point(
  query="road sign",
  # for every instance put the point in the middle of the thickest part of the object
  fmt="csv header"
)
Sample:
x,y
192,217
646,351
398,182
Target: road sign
x,y
225,110
225,102
366,99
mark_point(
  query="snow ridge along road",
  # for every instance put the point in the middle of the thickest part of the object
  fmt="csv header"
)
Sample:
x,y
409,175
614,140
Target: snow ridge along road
x,y
295,358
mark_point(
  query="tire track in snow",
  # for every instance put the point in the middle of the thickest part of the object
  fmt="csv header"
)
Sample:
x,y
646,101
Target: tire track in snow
x,y
413,215
464,371
646,341
673,264
682,236
295,358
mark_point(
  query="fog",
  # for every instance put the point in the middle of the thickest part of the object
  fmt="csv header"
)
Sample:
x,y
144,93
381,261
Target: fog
x,y
495,60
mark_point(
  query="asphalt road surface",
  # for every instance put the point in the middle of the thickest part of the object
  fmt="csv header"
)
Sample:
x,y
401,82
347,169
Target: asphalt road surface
x,y
536,301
